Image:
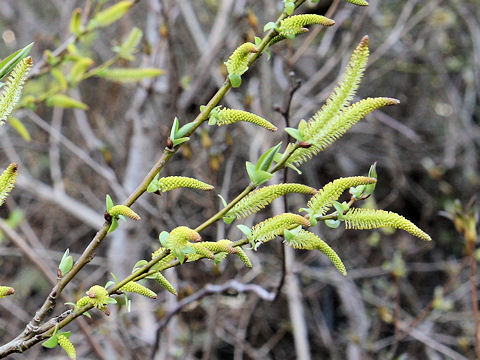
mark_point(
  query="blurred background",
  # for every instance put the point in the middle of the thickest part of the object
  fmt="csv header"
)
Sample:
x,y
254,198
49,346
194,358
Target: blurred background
x,y
402,299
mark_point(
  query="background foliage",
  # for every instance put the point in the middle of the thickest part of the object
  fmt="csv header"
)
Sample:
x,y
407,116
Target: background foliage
x,y
425,53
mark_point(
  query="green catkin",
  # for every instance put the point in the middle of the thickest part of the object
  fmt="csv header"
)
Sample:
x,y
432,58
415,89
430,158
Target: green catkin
x,y
67,345
259,198
83,301
358,2
336,117
371,219
330,193
230,116
202,251
337,128
180,236
274,226
162,280
123,210
243,256
238,61
138,289
99,297
309,241
292,25
5,291
174,182
7,181
343,93
12,90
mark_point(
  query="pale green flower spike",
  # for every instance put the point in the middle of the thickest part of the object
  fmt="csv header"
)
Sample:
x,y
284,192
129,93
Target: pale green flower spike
x,y
202,251
67,345
358,2
139,289
259,198
174,182
162,280
123,210
341,123
238,62
180,236
7,181
274,226
224,116
83,301
5,291
325,197
336,117
372,219
11,91
98,297
243,256
292,25
309,241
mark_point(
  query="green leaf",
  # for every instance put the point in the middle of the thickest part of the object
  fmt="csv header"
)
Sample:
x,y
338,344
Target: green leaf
x,y
153,186
114,225
51,342
129,75
339,209
109,15
140,264
295,133
76,22
66,263
179,141
185,129
79,69
162,237
224,202
18,126
245,230
289,7
61,79
235,80
7,64
332,223
109,283
228,219
87,314
267,158
260,176
268,26
128,46
63,101
372,172
108,202
173,131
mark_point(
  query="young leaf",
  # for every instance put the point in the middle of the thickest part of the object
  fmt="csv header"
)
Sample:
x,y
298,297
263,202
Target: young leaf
x,y
18,126
76,22
66,263
108,202
7,64
129,75
267,158
64,101
109,15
